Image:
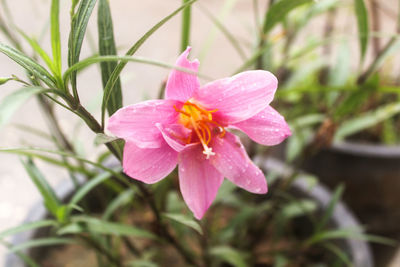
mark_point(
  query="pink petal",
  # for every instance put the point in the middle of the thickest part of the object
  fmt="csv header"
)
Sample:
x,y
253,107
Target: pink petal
x,y
181,85
232,161
239,97
198,179
149,165
267,127
174,135
137,123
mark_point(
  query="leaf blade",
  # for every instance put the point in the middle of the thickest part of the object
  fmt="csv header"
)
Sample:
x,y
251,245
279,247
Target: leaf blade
x,y
107,47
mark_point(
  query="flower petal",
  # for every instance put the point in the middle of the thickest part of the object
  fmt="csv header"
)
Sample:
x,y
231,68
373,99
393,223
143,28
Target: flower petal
x,y
174,135
239,97
137,123
198,179
149,165
267,127
232,161
181,85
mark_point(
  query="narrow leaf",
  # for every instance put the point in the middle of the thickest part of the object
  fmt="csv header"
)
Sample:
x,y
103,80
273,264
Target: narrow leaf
x,y
106,48
330,208
39,50
362,23
78,29
366,120
87,187
29,64
121,200
55,35
41,242
109,228
50,199
27,227
182,219
278,11
230,255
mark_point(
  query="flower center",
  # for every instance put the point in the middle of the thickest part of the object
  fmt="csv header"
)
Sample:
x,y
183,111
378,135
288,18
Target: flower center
x,y
196,118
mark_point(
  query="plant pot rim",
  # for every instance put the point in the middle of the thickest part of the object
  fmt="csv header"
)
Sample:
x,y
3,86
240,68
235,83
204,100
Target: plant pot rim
x,y
366,149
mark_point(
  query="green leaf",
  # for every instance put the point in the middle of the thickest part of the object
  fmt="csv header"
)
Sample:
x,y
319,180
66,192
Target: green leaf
x,y
27,227
342,255
39,50
230,255
98,226
29,64
88,186
40,242
298,208
108,90
122,199
78,28
366,120
350,234
339,74
50,199
96,59
106,48
330,208
16,99
278,11
55,36
352,102
185,220
362,23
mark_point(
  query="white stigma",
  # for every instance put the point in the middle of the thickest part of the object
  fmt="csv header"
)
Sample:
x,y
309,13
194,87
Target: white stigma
x,y
208,152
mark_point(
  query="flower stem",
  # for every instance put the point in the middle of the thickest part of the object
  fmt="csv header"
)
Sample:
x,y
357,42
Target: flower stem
x,y
186,14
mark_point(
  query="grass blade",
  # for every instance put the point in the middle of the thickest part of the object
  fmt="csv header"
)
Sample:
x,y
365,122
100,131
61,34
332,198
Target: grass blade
x,y
108,90
106,48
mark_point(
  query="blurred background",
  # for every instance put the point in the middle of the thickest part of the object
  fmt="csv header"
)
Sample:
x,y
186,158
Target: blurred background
x,y
316,54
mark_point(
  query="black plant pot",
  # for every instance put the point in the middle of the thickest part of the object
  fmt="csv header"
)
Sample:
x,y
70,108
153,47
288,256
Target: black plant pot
x,y
358,250
371,175
342,217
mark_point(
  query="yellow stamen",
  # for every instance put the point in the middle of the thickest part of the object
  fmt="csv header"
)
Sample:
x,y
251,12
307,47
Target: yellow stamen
x,y
200,120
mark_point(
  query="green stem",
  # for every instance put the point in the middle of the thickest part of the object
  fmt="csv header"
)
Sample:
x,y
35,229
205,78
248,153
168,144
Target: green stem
x,y
186,14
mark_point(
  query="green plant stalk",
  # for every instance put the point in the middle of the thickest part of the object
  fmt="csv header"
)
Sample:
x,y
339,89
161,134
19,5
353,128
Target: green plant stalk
x,y
185,34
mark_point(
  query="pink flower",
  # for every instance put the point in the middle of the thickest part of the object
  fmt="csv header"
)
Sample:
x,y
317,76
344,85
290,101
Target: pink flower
x,y
189,128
